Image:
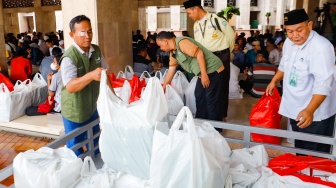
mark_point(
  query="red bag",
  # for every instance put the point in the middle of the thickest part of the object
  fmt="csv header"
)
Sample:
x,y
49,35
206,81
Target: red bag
x,y
265,114
136,85
7,82
47,106
289,164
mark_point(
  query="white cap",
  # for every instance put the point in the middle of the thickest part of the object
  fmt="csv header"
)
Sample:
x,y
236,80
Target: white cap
x,y
61,42
21,40
45,37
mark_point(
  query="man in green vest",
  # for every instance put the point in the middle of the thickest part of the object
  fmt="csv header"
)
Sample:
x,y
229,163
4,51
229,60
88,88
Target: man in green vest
x,y
195,58
82,64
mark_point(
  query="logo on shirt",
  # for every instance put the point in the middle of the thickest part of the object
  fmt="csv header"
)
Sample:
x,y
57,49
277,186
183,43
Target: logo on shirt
x,y
214,35
196,30
98,60
224,22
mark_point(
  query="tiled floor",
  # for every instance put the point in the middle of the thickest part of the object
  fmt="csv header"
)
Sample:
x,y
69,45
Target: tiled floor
x,y
11,144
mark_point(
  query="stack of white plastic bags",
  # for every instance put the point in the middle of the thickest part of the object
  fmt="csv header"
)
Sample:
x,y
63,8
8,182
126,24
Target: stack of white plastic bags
x,y
127,129
26,93
46,167
135,140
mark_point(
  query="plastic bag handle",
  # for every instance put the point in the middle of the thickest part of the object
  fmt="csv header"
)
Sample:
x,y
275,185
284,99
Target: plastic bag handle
x,y
190,125
143,75
129,68
120,74
160,73
3,86
39,76
88,166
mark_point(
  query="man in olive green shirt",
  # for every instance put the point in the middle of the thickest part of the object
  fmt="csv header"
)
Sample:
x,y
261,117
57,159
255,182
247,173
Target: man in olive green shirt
x,y
216,34
195,58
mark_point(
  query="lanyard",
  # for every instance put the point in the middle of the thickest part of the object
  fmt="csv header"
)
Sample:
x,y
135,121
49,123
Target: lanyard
x,y
203,30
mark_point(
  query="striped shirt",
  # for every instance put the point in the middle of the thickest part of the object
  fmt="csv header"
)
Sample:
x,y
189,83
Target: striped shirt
x,y
263,73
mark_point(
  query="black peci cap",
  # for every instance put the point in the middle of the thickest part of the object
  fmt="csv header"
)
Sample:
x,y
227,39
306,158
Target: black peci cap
x,y
295,17
191,3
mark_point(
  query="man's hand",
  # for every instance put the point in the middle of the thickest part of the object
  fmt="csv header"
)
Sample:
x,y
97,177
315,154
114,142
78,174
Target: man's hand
x,y
270,89
96,74
305,118
205,80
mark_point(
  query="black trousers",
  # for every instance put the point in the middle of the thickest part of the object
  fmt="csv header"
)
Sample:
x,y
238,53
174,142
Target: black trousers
x,y
209,101
224,56
324,127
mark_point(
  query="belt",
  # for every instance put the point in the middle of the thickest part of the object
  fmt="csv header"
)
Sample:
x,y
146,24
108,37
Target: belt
x,y
221,52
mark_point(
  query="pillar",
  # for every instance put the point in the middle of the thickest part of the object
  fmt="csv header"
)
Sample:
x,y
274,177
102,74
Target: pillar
x,y
151,18
281,7
243,21
175,14
310,6
220,5
3,62
292,5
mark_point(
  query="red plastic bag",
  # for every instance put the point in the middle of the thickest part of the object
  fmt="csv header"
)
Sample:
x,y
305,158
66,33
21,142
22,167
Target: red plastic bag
x,y
136,85
47,106
7,82
289,164
265,114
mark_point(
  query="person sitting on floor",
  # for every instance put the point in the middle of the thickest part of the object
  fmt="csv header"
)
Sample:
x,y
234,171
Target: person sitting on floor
x,y
54,90
141,60
21,67
263,72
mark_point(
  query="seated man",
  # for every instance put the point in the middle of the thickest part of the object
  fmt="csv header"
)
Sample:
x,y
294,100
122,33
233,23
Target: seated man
x,y
141,60
21,67
263,72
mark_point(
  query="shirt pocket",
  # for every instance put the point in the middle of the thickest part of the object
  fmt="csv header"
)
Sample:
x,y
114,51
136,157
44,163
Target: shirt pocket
x,y
301,69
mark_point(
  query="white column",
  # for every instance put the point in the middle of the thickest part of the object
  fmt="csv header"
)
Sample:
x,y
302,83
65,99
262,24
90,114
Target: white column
x,y
243,21
220,5
175,17
281,7
292,5
152,18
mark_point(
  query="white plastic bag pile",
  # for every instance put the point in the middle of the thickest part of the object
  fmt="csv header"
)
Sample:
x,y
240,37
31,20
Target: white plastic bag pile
x,y
195,156
127,130
46,167
26,93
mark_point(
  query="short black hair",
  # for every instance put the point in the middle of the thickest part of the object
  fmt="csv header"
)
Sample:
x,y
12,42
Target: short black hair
x,y
49,41
55,51
142,46
58,58
78,19
165,35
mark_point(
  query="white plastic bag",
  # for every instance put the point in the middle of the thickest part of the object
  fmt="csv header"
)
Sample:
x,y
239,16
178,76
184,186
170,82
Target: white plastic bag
x,y
128,73
39,89
234,88
127,130
145,75
246,165
91,177
174,100
46,167
13,104
181,159
180,83
159,75
190,95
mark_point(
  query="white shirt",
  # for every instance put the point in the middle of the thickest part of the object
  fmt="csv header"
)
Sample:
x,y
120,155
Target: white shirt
x,y
274,56
69,70
56,86
313,63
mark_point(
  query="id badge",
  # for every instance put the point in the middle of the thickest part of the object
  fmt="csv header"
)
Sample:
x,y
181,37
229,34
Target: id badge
x,y
293,79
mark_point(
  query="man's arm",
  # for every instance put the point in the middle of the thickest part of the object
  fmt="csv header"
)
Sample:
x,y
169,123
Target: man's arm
x,y
193,50
277,77
305,117
49,78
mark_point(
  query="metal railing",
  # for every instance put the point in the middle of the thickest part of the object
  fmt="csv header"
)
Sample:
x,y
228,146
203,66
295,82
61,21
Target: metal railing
x,y
246,141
